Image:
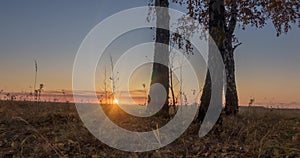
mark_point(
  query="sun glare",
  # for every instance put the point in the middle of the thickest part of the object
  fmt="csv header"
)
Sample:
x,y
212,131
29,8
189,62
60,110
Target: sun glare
x,y
116,101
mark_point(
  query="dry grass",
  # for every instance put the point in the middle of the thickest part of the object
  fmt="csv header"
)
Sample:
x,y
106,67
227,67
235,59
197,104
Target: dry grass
x,y
55,130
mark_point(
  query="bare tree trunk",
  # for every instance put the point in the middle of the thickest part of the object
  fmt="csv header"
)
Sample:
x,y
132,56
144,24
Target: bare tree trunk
x,y
231,104
160,71
205,98
172,88
223,39
217,26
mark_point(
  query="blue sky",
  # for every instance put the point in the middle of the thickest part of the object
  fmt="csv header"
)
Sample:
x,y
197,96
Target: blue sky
x,y
51,32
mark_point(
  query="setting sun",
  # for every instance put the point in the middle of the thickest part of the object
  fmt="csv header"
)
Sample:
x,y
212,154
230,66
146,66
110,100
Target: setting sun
x,y
116,101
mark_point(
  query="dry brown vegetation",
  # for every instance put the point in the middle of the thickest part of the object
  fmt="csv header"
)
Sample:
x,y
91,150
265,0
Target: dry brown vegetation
x,y
55,130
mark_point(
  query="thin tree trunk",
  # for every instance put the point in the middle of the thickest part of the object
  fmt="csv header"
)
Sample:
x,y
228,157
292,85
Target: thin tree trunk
x,y
172,88
205,98
231,102
160,71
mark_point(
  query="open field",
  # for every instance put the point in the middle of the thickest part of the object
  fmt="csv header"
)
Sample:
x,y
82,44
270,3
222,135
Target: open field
x,y
55,130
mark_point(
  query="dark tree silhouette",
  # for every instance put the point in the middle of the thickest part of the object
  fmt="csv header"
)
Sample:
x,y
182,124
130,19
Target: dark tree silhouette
x,y
160,70
226,15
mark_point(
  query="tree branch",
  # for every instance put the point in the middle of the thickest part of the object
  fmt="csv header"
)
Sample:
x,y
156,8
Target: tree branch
x,y
298,15
237,45
233,17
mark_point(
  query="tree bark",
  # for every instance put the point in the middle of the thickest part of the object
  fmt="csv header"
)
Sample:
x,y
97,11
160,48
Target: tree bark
x,y
160,70
231,97
217,27
205,98
223,37
171,88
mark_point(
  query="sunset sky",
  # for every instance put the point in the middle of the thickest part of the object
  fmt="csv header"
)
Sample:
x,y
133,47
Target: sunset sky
x,y
51,32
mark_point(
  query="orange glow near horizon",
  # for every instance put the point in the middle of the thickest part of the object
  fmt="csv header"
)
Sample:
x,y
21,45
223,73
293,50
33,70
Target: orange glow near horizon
x,y
138,98
116,101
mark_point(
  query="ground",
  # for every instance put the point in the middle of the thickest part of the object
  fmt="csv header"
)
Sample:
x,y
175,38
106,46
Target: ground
x,y
55,130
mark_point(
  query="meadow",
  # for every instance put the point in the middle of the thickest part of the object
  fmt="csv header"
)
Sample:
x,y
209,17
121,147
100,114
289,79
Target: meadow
x,y
29,129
